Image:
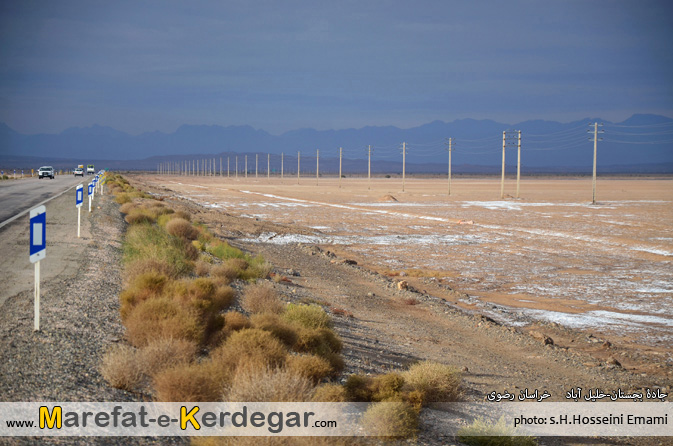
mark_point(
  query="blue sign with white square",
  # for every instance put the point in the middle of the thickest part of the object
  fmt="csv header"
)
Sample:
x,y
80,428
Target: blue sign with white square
x,y
90,189
38,234
79,195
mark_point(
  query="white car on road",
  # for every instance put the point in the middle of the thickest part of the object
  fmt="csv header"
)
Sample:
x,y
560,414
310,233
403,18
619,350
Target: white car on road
x,y
45,171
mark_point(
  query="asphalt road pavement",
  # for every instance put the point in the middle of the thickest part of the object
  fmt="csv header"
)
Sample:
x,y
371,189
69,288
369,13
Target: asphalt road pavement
x,y
17,196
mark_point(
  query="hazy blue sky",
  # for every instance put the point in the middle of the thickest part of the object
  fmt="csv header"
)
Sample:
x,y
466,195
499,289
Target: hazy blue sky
x,y
280,65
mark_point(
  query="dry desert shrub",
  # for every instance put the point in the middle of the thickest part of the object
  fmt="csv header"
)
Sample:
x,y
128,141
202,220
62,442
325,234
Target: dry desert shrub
x,y
237,263
122,368
123,197
180,227
201,268
390,420
387,386
235,321
127,207
142,266
311,367
164,353
144,286
150,242
183,215
437,382
308,316
279,441
200,382
482,432
252,346
139,216
358,388
272,323
261,298
162,317
224,273
329,393
268,384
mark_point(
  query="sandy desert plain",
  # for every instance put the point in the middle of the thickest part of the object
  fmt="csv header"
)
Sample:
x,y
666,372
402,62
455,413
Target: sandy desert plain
x,y
551,255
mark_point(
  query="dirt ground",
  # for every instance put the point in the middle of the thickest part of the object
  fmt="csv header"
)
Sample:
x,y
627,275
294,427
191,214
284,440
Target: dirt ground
x,y
552,231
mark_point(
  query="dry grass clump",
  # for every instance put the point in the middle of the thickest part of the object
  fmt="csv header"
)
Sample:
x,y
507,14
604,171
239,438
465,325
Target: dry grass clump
x,y
150,242
258,268
127,208
224,273
308,316
200,382
234,321
272,323
484,433
123,197
311,367
180,227
261,298
144,286
268,384
391,420
121,368
183,215
437,382
329,393
201,268
163,353
139,215
162,318
252,346
141,266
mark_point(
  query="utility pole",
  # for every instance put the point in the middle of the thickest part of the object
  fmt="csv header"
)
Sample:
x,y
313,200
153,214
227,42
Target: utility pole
x,y
236,166
340,154
268,166
596,139
404,163
220,167
502,179
298,165
256,163
450,149
518,165
282,159
227,167
246,166
317,166
369,167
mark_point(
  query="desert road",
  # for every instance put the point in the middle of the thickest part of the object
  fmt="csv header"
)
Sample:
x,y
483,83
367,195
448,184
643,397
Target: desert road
x,y
20,196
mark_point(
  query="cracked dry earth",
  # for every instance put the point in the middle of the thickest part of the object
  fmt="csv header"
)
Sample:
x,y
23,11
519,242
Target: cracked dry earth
x,y
386,328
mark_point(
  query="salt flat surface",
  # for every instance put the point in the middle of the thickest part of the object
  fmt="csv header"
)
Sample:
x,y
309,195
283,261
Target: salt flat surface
x,y
552,257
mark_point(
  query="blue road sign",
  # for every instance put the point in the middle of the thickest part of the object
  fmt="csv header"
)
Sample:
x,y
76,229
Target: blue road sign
x,y
38,234
90,189
79,195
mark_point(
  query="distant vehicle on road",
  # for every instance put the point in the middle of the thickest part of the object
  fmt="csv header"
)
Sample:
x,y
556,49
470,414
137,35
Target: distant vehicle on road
x,y
90,169
79,171
45,171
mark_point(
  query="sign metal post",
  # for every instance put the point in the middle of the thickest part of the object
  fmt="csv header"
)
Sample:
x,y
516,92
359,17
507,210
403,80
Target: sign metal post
x,y
38,251
79,198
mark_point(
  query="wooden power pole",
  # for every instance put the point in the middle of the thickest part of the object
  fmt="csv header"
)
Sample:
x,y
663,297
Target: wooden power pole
x,y
340,153
502,179
450,149
596,139
404,163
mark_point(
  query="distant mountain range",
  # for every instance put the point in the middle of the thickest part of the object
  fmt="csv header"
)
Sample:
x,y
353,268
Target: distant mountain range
x,y
642,143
